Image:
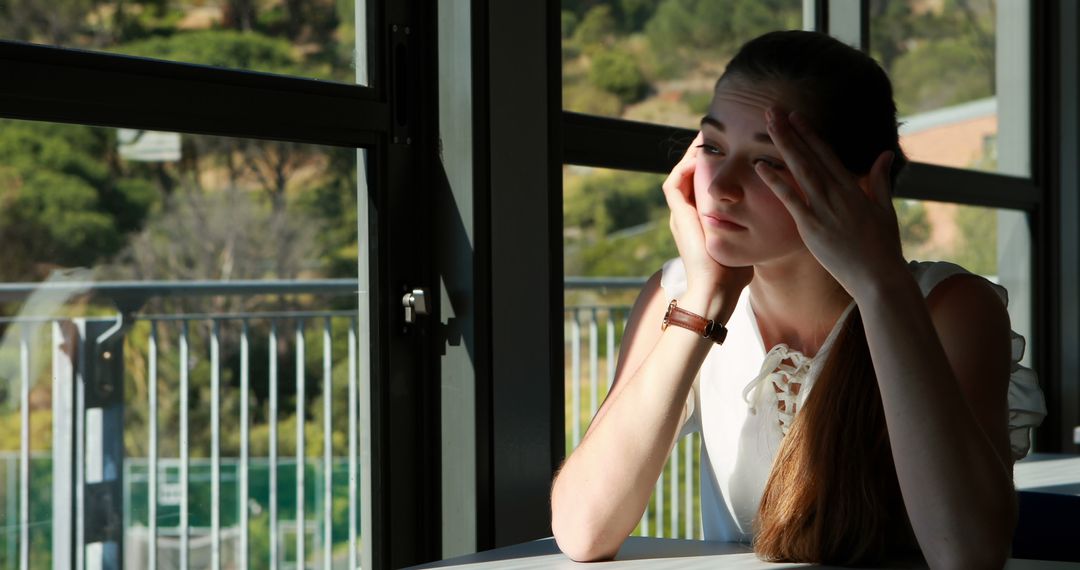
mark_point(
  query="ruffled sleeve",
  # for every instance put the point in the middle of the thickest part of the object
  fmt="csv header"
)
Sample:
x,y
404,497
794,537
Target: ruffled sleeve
x,y
1027,405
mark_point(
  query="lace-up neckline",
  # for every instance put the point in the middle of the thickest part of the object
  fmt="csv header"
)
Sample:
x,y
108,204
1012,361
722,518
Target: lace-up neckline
x,y
787,373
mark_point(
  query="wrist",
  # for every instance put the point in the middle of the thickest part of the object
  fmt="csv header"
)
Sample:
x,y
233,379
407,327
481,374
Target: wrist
x,y
883,283
712,303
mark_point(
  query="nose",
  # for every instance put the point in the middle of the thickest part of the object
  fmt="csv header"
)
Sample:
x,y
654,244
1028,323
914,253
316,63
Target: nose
x,y
727,180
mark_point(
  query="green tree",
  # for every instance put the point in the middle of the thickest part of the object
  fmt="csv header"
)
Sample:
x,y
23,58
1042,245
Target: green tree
x,y
940,73
223,48
597,27
633,14
892,26
57,22
64,200
618,74
569,23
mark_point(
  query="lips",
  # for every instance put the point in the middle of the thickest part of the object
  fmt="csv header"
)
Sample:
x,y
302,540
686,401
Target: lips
x,y
723,221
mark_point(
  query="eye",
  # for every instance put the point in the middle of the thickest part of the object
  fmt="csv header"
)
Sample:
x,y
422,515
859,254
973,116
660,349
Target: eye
x,y
710,149
770,163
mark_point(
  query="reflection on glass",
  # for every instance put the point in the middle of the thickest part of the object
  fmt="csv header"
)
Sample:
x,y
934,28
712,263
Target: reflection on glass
x,y
310,38
961,80
166,215
657,62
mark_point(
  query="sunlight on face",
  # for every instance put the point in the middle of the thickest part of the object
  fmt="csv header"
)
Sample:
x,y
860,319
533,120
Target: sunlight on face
x,y
744,222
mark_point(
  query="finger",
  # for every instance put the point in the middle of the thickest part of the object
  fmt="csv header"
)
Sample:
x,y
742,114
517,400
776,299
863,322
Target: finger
x,y
821,149
881,179
679,185
787,195
800,160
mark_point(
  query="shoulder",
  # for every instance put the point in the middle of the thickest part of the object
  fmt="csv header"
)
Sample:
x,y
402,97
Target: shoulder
x,y
972,323
955,294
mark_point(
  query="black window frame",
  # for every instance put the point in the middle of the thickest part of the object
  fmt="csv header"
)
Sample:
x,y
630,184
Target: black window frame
x,y
66,85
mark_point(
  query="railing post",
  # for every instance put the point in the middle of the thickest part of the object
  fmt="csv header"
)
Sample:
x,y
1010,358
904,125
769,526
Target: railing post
x,y
103,373
65,339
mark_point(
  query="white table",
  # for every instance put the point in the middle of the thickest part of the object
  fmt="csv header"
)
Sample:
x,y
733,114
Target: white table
x,y
1047,473
652,553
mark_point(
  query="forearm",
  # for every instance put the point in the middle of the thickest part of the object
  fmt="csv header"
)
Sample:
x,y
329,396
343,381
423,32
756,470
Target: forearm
x,y
957,490
603,487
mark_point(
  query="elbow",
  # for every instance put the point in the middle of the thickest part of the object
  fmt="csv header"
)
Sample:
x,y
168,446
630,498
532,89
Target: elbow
x,y
988,551
582,546
988,557
576,538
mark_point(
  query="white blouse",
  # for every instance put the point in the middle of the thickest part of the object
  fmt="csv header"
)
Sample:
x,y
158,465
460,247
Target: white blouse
x,y
744,399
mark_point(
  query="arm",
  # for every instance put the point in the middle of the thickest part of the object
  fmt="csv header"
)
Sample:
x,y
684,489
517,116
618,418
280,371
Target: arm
x,y
601,490
942,363
943,370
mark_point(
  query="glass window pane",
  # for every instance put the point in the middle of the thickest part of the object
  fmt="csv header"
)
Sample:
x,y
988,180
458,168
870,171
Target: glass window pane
x,y
310,38
657,62
990,242
961,77
237,255
615,235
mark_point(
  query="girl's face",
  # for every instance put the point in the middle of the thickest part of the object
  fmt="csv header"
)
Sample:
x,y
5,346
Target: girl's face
x,y
744,222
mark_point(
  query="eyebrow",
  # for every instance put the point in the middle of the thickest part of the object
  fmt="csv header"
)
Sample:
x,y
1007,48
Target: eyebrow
x,y
716,124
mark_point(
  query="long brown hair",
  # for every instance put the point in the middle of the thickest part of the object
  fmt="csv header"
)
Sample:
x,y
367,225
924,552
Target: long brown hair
x,y
833,496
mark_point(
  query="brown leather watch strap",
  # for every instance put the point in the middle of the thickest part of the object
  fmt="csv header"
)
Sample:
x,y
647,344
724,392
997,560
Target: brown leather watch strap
x,y
707,328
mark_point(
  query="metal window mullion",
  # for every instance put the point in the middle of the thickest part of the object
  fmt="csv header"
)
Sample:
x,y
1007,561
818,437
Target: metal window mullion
x,y
969,187
46,83
605,142
1058,305
849,22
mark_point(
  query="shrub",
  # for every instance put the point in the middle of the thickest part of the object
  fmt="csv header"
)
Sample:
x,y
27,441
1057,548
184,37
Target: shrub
x,y
618,74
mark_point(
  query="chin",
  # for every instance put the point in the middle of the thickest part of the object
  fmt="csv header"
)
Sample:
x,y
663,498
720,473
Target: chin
x,y
729,254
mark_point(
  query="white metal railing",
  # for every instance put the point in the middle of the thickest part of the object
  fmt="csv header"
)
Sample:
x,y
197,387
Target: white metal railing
x,y
76,442
673,510
592,331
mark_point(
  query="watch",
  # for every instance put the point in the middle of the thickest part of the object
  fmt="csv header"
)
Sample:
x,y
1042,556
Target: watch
x,y
707,328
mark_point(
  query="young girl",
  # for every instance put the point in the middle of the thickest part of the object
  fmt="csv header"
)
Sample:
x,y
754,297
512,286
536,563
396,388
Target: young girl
x,y
861,407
